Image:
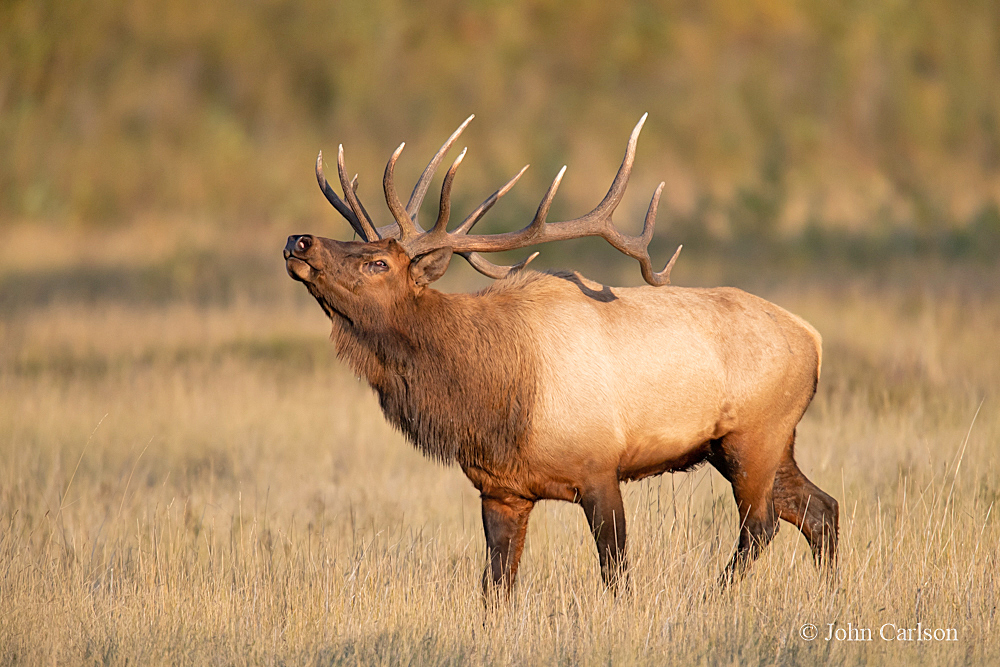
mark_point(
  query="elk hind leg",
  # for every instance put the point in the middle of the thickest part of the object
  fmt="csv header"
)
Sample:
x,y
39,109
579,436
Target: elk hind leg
x,y
800,502
747,464
606,516
758,526
505,522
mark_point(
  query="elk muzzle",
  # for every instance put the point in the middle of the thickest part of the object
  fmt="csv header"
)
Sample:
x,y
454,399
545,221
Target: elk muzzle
x,y
296,257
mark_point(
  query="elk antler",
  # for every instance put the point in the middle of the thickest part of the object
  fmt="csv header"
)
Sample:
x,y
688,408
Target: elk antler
x,y
596,223
406,224
416,241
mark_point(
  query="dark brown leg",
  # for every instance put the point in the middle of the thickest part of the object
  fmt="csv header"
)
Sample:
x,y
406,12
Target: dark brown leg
x,y
758,526
505,521
744,462
802,503
606,516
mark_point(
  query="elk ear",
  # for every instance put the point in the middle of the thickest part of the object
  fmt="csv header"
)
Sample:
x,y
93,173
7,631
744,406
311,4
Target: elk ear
x,y
428,268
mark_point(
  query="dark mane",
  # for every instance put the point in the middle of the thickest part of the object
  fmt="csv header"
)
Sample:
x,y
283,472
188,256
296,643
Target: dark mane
x,y
454,372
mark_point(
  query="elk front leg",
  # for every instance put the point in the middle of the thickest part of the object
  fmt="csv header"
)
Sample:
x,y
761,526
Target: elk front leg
x,y
606,516
505,521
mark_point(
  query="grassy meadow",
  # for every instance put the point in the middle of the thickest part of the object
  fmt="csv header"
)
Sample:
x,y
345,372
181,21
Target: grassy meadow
x,y
188,475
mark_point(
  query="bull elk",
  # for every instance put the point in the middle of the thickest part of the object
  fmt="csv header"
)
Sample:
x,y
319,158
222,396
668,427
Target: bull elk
x,y
550,386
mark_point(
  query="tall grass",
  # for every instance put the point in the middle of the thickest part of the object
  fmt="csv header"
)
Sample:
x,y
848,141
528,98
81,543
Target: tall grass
x,y
196,479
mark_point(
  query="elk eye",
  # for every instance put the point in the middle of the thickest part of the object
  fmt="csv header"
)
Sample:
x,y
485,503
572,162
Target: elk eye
x,y
377,266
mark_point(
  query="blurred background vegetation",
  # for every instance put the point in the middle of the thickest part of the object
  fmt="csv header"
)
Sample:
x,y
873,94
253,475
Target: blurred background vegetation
x,y
855,128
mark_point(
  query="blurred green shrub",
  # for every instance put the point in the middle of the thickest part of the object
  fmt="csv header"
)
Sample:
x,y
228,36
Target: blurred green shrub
x,y
780,113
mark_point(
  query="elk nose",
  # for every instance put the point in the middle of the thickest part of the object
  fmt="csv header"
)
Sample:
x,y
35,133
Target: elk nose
x,y
300,243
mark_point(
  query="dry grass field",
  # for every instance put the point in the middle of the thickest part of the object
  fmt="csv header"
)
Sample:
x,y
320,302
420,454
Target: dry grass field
x,y
189,476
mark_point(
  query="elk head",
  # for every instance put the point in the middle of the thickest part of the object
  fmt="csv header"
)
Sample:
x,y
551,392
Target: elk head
x,y
346,277
401,258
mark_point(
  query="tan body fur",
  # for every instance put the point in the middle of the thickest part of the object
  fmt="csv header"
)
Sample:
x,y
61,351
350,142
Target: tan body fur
x,y
636,381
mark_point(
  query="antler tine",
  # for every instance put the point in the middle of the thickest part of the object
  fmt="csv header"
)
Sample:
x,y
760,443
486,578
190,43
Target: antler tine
x,y
390,231
542,213
537,223
367,229
444,212
379,231
602,212
407,230
492,270
664,275
423,183
481,210
637,247
495,271
334,199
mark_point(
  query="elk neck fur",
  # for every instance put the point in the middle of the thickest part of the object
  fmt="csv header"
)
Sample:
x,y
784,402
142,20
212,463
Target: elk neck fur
x,y
454,372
